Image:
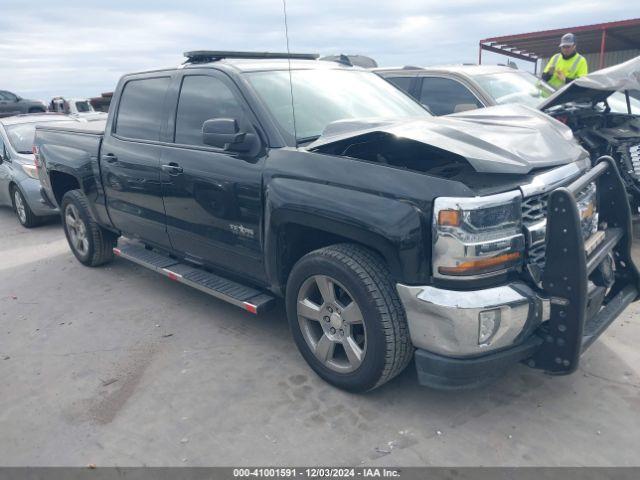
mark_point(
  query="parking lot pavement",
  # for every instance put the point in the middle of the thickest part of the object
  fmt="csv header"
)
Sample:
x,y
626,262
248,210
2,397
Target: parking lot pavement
x,y
118,365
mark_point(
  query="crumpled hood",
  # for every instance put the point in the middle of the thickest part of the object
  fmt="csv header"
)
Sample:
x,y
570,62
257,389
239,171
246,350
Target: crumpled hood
x,y
512,139
599,85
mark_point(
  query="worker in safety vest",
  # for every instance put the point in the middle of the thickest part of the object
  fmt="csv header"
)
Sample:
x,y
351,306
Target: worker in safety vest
x,y
566,66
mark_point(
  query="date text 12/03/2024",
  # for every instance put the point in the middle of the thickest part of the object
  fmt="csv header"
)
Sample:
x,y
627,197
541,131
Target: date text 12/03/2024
x,y
316,472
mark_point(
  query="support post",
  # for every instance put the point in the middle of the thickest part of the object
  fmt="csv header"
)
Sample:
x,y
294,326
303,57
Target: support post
x,y
603,43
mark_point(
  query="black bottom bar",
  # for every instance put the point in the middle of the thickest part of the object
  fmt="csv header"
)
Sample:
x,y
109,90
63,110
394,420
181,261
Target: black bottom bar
x,y
447,373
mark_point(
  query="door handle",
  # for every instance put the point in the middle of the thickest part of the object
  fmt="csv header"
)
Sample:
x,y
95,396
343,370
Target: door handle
x,y
172,168
110,158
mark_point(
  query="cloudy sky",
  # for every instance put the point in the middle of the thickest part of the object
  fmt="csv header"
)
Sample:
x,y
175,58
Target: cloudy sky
x,y
81,48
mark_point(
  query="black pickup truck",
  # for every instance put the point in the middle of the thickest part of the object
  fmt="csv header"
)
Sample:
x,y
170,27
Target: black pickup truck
x,y
470,242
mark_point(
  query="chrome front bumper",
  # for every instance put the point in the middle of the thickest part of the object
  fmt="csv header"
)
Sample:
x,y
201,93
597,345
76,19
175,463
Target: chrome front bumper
x,y
447,322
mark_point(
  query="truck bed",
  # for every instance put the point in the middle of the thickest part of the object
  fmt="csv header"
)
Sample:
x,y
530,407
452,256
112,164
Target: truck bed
x,y
88,128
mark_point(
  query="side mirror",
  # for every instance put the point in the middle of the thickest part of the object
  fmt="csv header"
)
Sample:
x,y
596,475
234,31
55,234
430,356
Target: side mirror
x,y
225,133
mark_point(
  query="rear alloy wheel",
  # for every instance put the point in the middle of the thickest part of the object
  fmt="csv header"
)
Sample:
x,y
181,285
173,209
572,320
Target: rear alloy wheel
x,y
25,216
77,230
89,242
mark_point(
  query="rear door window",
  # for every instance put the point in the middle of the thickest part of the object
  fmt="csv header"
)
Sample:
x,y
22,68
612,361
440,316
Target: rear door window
x,y
203,97
140,113
444,96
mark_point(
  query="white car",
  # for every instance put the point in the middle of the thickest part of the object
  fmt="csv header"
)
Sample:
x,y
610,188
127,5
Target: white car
x,y
78,107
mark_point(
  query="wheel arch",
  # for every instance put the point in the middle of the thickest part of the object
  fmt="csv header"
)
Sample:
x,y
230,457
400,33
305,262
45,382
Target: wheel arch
x,y
61,183
296,237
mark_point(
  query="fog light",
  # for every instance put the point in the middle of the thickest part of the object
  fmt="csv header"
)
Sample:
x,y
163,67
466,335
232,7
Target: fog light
x,y
488,324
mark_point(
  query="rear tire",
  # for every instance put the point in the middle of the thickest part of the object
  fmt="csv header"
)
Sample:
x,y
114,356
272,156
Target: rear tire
x,y
346,317
25,215
90,243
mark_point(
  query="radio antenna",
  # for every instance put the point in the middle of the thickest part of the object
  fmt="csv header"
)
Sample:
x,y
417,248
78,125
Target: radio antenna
x,y
293,108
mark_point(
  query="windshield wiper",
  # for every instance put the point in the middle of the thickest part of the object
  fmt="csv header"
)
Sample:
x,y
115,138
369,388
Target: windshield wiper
x,y
310,139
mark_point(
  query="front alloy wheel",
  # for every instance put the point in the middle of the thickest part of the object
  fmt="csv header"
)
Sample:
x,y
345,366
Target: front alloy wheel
x,y
332,324
346,318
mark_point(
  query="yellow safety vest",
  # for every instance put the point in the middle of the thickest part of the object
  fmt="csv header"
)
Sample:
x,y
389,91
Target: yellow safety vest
x,y
572,68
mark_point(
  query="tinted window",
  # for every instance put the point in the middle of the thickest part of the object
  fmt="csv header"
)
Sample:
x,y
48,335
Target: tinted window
x,y
203,98
140,112
444,96
403,83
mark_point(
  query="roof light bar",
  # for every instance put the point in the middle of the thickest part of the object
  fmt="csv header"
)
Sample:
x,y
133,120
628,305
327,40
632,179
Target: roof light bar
x,y
201,56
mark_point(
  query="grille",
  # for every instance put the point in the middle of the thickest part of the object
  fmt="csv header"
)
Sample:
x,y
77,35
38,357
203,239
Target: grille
x,y
534,211
634,154
537,255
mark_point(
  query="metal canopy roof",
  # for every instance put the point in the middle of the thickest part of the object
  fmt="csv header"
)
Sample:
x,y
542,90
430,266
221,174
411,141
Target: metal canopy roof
x,y
622,35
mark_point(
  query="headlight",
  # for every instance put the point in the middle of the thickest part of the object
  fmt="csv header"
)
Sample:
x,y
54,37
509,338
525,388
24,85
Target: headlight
x,y
477,236
30,170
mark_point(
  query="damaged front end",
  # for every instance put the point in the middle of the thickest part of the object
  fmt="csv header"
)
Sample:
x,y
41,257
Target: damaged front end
x,y
533,271
507,139
589,107
575,278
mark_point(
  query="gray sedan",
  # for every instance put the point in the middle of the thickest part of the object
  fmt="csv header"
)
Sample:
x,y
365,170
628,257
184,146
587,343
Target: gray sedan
x,y
19,184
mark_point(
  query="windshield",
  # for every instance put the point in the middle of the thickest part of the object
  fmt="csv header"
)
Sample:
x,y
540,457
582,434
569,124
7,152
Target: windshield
x,y
21,135
325,96
515,87
84,106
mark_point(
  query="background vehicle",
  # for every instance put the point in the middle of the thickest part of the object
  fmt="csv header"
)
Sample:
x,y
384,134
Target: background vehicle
x,y
19,184
450,89
12,104
385,229
598,113
603,120
79,107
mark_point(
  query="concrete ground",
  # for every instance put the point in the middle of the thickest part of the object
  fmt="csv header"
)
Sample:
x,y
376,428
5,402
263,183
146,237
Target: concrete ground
x,y
119,366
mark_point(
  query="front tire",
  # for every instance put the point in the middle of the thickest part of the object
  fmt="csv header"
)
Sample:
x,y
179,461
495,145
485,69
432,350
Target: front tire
x,y
90,243
25,215
346,317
